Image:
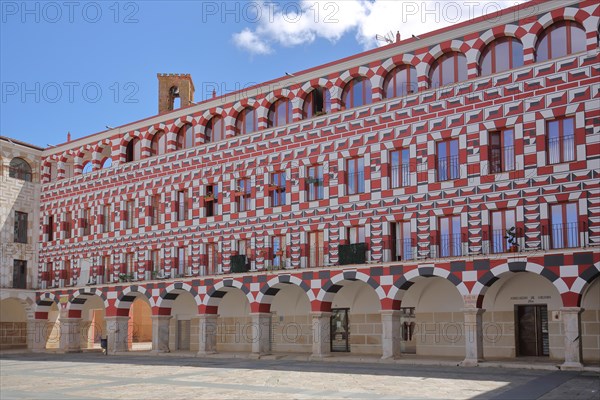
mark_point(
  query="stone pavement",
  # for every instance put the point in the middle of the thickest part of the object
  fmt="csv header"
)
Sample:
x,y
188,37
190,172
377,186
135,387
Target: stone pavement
x,y
95,376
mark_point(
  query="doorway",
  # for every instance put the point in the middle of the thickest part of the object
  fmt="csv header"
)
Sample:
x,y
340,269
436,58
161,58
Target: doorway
x,y
531,330
340,332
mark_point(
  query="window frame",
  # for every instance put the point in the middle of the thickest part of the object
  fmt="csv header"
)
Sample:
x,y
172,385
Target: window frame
x,y
278,189
399,168
402,241
241,122
20,169
569,41
491,51
438,67
244,196
315,190
560,140
21,227
452,168
566,240
349,92
274,115
317,96
392,77
209,129
354,183
506,153
454,248
185,137
133,151
498,240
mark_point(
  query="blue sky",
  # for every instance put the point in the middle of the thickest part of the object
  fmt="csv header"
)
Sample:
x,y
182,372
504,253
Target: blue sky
x,y
79,66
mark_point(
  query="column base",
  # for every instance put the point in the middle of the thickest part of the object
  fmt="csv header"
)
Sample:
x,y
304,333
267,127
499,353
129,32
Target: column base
x,y
571,366
205,353
470,363
318,357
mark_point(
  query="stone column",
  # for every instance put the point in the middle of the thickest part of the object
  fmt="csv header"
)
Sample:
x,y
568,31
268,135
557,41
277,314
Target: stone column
x,y
160,333
207,334
572,331
321,330
118,334
36,335
261,334
391,335
473,330
70,335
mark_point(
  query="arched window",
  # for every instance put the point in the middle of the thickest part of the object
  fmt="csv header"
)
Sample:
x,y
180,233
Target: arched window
x,y
20,169
317,102
87,168
134,150
246,122
185,137
400,81
356,93
159,143
215,129
448,69
280,113
107,163
560,39
501,55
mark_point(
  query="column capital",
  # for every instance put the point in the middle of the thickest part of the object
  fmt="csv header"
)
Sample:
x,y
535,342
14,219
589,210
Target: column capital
x,y
319,314
473,310
116,318
391,312
573,310
161,317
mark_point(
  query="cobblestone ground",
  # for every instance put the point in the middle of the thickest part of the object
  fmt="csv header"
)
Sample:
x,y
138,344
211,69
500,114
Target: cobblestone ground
x,y
94,376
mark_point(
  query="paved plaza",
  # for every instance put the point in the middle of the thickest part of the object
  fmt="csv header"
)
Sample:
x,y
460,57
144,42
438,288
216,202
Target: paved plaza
x,y
94,376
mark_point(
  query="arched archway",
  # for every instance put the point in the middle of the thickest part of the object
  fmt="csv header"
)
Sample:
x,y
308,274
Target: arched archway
x,y
291,323
140,324
234,331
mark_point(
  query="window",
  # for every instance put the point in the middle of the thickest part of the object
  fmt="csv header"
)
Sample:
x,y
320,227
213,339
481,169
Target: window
x,y
560,135
20,227
400,168
212,258
278,189
68,273
104,272
87,222
448,69
502,151
107,163
215,129
134,150
185,137
159,144
19,274
316,103
278,245
129,264
316,249
155,209
314,183
181,261
448,166
401,241
565,227
280,113
560,39
49,275
50,228
106,218
356,93
356,175
502,221
155,266
68,225
211,200
246,122
356,234
181,206
129,214
450,243
87,168
501,55
244,247
243,195
20,169
400,81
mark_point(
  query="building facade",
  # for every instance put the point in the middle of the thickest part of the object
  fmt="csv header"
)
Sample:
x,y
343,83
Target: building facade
x,y
436,196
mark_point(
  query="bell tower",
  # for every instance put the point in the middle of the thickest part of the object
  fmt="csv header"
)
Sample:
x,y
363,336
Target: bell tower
x,y
173,88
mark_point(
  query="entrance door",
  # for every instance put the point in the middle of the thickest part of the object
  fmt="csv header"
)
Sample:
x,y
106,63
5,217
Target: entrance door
x,y
340,330
19,274
183,335
532,330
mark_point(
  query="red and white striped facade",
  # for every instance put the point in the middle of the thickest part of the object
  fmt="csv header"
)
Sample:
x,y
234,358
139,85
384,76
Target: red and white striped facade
x,y
524,98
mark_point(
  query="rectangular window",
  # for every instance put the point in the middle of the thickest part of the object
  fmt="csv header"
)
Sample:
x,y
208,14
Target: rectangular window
x,y
448,166
560,135
244,195
314,183
129,265
211,200
316,249
68,225
212,258
356,175
502,221
50,228
401,241
278,189
154,209
502,151
400,170
104,273
181,206
87,222
20,227
155,261
450,240
130,214
50,274
106,218
19,274
68,272
181,261
565,227
278,246
356,234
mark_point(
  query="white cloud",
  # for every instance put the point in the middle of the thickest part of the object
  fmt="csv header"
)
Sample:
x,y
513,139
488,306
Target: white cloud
x,y
291,24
